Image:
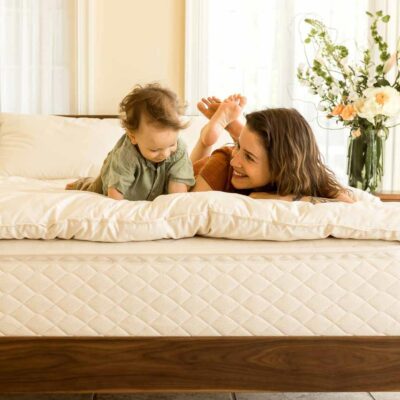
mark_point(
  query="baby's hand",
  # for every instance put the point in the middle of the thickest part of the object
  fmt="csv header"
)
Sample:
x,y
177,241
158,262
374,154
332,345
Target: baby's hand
x,y
115,194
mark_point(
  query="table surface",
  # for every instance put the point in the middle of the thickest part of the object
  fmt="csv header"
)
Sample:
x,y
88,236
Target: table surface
x,y
388,196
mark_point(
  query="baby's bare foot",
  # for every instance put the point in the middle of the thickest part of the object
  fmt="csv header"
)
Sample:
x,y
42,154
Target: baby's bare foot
x,y
208,106
227,111
79,184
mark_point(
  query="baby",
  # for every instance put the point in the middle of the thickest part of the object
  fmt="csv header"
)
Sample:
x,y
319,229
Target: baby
x,y
149,159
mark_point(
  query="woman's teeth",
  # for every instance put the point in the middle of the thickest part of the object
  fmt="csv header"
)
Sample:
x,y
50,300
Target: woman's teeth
x,y
238,173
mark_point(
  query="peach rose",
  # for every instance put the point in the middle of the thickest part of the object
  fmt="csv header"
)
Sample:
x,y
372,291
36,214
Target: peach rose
x,y
348,113
337,109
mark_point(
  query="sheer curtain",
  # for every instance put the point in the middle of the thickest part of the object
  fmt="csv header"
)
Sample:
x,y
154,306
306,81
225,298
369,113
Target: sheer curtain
x,y
36,57
255,46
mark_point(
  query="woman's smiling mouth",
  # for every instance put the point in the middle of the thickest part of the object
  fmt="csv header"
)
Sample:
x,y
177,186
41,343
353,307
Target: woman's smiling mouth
x,y
240,175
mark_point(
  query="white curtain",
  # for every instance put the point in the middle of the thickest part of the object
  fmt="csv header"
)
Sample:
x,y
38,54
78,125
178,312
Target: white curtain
x,y
36,57
255,46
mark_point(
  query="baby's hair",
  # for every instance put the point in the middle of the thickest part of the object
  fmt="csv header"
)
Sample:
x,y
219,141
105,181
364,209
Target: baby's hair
x,y
159,105
295,161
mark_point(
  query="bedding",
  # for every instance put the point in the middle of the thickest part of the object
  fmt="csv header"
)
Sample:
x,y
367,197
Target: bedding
x,y
37,209
199,287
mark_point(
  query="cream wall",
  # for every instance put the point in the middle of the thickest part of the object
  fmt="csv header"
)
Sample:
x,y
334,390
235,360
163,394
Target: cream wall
x,y
135,41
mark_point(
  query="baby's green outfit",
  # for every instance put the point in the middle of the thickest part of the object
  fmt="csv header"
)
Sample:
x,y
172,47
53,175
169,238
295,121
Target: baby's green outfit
x,y
137,178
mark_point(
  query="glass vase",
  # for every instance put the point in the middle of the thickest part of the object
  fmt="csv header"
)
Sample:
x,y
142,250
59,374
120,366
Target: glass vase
x,y
365,160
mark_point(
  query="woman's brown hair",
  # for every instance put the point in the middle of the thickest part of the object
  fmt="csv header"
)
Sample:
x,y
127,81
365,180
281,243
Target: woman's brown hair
x,y
295,161
160,106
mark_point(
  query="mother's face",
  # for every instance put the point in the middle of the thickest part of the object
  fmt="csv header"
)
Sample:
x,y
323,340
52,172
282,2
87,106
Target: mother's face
x,y
250,162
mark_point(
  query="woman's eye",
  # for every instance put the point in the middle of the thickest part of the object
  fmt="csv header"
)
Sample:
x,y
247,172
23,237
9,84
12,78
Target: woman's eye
x,y
248,157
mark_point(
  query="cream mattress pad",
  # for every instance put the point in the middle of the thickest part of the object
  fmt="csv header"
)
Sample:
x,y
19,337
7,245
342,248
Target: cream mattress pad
x,y
199,287
35,209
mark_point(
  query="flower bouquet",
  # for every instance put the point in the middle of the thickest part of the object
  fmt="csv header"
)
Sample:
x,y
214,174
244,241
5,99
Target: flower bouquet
x,y
359,96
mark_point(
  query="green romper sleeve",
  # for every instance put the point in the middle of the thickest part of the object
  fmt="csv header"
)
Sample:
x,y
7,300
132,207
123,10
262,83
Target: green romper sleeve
x,y
122,169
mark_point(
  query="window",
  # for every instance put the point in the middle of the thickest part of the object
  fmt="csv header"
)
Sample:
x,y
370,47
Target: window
x,y
254,47
36,56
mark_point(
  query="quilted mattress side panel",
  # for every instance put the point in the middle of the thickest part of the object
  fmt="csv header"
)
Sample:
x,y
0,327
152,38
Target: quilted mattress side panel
x,y
308,293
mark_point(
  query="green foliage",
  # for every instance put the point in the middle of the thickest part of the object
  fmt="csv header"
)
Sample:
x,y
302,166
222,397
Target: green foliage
x,y
334,80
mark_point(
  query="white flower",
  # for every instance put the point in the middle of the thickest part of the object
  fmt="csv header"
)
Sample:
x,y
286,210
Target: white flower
x,y
378,101
319,80
353,96
321,91
366,111
335,90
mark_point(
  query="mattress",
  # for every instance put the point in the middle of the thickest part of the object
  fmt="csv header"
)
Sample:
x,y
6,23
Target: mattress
x,y
199,287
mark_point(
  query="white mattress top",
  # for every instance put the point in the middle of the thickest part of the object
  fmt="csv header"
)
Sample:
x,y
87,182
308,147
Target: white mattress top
x,y
196,245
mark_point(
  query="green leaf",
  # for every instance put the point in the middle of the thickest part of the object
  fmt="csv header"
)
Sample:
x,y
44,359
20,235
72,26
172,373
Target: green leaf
x,y
369,14
386,18
379,13
381,82
308,40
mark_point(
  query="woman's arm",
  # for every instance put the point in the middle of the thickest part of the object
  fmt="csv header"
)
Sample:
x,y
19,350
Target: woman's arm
x,y
201,185
342,197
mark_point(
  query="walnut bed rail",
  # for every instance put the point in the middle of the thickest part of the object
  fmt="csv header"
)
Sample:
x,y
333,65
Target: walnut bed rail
x,y
173,364
198,364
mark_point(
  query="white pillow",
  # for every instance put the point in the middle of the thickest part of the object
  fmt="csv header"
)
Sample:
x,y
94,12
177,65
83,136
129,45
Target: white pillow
x,y
51,147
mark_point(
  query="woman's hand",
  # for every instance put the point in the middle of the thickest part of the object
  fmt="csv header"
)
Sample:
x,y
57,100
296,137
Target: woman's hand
x,y
341,197
345,197
270,196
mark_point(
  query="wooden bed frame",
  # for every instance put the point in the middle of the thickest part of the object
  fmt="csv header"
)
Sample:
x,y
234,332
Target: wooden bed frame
x,y
200,364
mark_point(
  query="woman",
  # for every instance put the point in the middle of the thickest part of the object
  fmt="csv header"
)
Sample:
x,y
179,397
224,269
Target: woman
x,y
276,155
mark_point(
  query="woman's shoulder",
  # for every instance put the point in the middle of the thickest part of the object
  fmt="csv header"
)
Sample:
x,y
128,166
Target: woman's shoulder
x,y
225,151
215,168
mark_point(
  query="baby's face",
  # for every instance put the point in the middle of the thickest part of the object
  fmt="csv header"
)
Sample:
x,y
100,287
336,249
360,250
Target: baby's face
x,y
155,143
